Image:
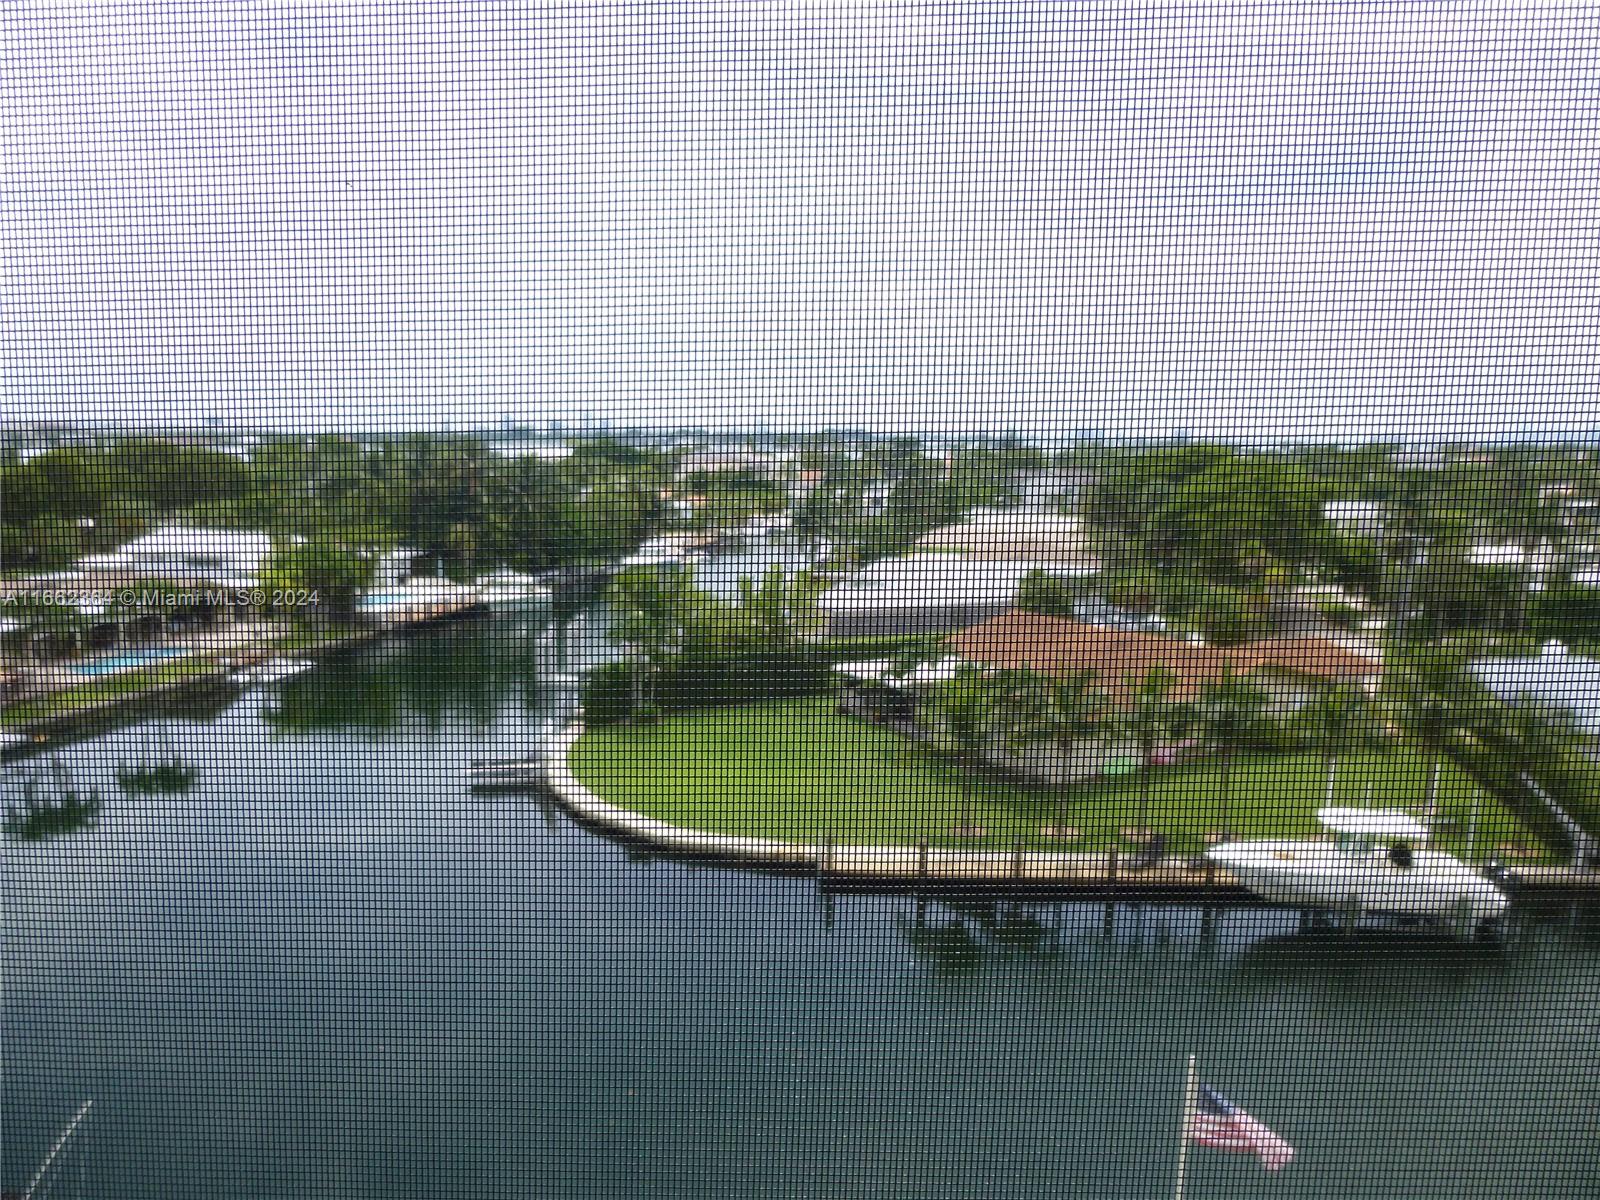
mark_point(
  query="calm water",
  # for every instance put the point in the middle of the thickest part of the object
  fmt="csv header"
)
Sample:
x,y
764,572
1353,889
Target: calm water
x,y
328,970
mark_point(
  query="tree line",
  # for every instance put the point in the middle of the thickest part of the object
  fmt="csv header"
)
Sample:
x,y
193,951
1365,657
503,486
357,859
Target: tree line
x,y
448,496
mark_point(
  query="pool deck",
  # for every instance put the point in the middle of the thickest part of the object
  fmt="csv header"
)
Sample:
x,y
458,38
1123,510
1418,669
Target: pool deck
x,y
915,867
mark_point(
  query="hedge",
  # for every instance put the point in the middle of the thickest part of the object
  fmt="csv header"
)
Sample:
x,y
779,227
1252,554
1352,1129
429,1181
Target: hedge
x,y
685,683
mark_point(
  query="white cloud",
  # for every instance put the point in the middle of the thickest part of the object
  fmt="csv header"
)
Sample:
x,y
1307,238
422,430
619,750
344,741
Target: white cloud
x,y
954,213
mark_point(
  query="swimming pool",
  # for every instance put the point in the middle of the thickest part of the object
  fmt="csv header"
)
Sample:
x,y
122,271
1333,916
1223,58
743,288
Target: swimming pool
x,y
124,662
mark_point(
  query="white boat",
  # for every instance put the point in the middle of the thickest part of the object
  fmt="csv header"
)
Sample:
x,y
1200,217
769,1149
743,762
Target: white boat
x,y
667,549
509,589
1374,863
274,670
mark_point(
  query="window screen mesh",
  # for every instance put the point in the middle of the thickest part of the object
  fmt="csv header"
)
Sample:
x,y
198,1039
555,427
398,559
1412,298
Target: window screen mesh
x,y
799,599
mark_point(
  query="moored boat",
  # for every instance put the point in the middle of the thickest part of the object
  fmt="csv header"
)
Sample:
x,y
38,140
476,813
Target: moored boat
x,y
1375,863
510,589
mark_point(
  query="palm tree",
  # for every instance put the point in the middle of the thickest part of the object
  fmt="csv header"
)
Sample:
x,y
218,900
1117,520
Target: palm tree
x,y
1540,743
651,608
1034,709
1229,710
1150,720
1341,716
781,608
961,713
1428,710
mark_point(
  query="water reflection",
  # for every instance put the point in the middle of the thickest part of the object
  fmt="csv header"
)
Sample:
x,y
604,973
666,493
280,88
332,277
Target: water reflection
x,y
961,936
452,997
479,672
1247,940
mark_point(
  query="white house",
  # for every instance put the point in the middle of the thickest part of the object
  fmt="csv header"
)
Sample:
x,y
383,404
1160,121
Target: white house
x,y
925,592
1018,535
1538,562
1555,676
1358,518
394,567
224,557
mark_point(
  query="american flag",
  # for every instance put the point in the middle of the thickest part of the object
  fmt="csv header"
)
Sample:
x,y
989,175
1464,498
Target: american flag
x,y
1225,1126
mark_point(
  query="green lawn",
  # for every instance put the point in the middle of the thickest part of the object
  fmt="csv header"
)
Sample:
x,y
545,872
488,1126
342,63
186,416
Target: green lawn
x,y
795,770
99,691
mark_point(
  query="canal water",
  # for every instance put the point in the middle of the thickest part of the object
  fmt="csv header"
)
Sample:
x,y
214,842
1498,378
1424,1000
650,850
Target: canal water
x,y
327,969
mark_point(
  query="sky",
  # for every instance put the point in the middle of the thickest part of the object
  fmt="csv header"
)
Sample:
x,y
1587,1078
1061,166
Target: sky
x,y
1318,220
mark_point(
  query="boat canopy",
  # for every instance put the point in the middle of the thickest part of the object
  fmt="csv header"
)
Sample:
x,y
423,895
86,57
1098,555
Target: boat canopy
x,y
1373,822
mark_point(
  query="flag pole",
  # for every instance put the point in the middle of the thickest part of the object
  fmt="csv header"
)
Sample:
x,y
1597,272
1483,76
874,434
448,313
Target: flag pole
x,y
1191,1100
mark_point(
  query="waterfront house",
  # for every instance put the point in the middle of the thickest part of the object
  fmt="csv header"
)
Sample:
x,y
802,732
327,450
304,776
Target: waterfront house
x,y
1555,677
222,558
1018,535
1290,671
394,567
1356,518
927,592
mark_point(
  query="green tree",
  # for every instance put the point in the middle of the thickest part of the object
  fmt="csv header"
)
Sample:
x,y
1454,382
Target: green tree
x,y
1542,747
1150,719
781,608
1425,697
1049,595
1230,712
1341,718
961,713
1032,708
652,610
334,573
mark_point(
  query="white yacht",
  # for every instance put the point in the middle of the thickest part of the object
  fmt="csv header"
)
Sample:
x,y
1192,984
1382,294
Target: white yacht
x,y
1374,863
509,589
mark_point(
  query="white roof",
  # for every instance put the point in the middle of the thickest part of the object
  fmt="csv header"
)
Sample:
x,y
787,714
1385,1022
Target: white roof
x,y
988,520
931,581
185,540
1336,509
534,450
1375,822
882,670
1556,676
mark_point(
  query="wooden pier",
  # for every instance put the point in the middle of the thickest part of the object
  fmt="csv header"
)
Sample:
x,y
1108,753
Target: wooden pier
x,y
1049,869
924,866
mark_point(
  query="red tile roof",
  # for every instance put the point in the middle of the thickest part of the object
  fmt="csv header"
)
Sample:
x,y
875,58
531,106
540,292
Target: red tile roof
x,y
1120,659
